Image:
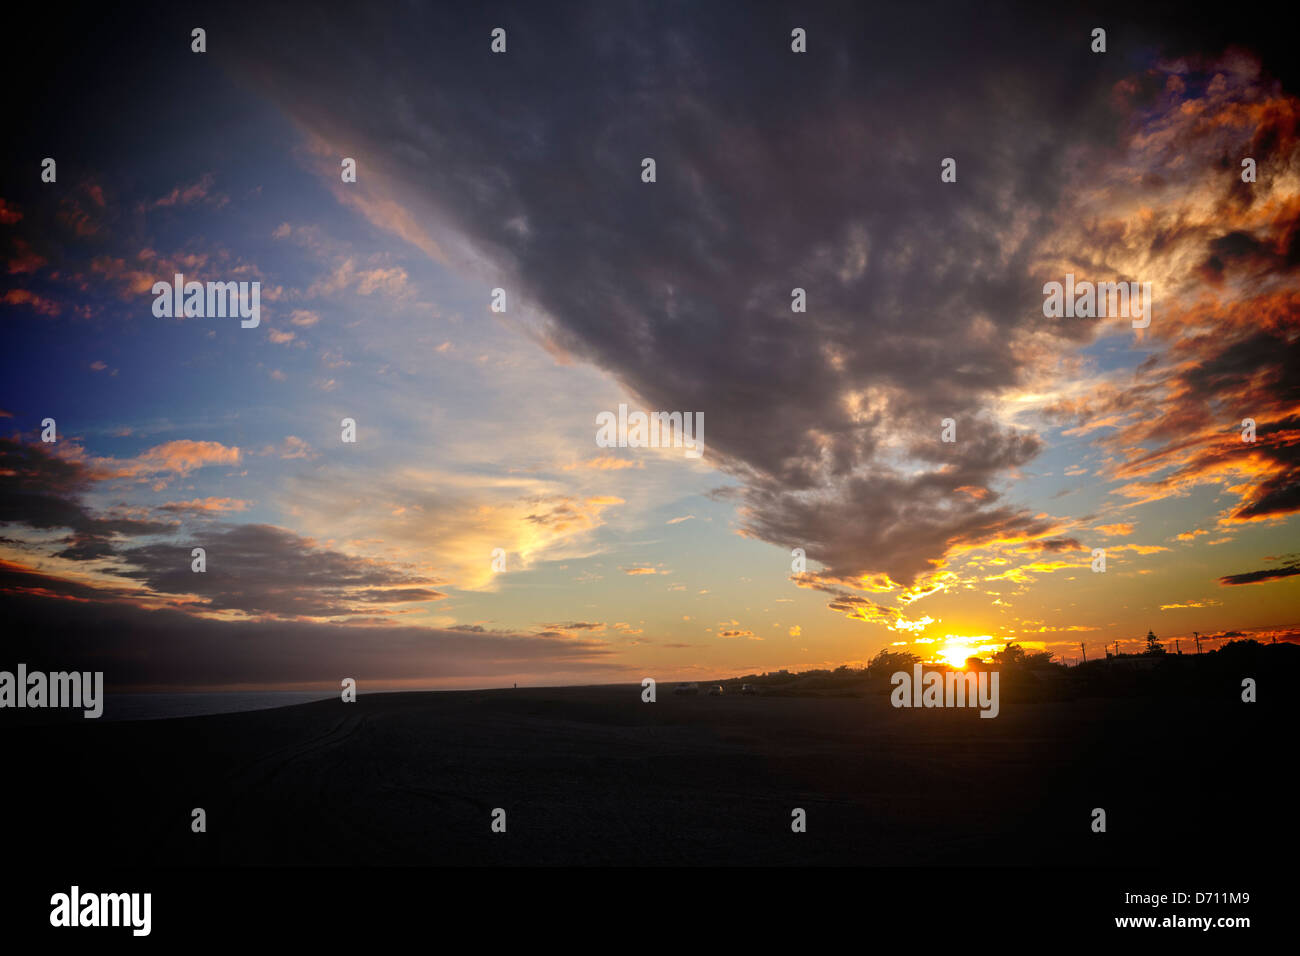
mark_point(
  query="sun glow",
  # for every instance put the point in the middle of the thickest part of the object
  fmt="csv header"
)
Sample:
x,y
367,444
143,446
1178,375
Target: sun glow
x,y
956,656
957,648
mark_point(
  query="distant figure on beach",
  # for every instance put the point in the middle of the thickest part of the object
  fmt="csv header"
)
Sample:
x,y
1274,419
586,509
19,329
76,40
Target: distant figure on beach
x,y
516,685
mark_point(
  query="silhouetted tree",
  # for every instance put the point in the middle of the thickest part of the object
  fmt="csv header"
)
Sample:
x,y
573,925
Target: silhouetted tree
x,y
889,662
1013,655
1153,646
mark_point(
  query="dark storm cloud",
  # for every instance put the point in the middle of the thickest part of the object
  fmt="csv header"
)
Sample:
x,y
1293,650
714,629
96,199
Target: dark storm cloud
x,y
138,648
775,171
910,521
399,596
1287,570
44,492
15,579
257,569
265,570
1054,545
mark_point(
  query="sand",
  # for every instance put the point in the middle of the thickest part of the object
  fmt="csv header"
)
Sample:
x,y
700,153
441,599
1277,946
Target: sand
x,y
592,775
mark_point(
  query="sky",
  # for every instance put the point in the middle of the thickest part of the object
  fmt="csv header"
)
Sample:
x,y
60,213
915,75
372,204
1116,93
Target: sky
x,y
476,428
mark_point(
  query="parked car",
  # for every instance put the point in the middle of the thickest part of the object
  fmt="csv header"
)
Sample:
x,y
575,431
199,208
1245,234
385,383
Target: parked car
x,y
748,689
715,690
690,687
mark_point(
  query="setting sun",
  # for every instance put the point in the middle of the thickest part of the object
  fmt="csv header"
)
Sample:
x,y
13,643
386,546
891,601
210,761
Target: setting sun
x,y
958,648
956,656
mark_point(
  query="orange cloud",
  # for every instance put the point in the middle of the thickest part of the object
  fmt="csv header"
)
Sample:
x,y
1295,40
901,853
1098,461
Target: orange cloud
x,y
178,457
39,303
205,505
25,261
186,195
1117,530
607,463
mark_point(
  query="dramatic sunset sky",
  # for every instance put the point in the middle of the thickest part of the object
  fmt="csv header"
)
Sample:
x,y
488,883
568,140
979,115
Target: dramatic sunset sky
x,y
477,430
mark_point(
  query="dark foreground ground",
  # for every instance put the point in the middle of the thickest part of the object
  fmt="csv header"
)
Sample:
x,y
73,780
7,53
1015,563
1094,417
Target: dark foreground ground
x,y
592,775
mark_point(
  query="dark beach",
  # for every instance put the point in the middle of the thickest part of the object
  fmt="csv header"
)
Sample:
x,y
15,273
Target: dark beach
x,y
592,775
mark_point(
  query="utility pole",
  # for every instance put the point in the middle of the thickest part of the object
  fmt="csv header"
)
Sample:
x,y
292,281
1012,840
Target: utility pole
x,y
1177,649
1117,648
1085,652
1197,636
